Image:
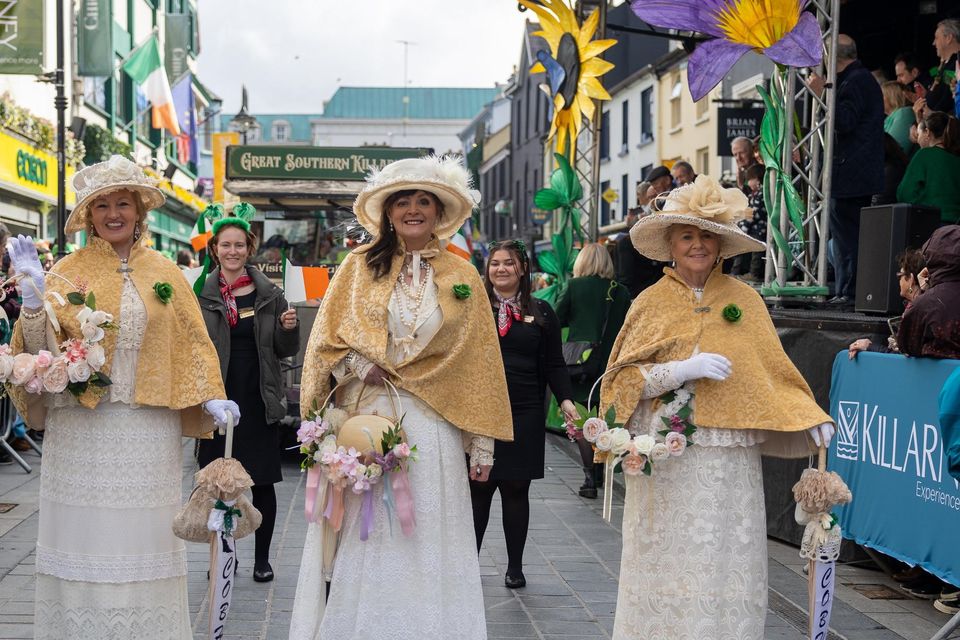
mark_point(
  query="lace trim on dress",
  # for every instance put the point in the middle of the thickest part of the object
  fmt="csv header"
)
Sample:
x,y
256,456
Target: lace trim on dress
x,y
110,569
659,379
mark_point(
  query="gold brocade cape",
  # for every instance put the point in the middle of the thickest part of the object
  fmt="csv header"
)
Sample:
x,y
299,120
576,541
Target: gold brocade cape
x,y
177,367
666,323
459,374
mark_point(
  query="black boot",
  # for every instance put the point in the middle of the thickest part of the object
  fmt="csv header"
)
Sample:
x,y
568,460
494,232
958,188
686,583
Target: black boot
x,y
589,488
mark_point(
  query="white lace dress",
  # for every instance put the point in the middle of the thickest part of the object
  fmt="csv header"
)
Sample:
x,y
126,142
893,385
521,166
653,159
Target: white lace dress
x,y
423,586
108,564
694,562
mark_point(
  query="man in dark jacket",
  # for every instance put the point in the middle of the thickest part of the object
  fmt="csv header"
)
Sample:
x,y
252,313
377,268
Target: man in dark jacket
x,y
857,160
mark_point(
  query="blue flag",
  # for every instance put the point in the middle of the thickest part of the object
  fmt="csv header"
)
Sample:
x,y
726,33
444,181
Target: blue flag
x,y
185,106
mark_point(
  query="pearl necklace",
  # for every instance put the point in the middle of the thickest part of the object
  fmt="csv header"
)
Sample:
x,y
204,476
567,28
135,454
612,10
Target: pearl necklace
x,y
410,312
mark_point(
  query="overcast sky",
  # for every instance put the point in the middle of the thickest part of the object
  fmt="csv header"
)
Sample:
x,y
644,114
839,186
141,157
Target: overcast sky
x,y
293,54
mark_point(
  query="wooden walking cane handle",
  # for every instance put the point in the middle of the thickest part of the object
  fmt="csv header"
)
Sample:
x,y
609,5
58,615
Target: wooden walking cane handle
x,y
822,458
228,443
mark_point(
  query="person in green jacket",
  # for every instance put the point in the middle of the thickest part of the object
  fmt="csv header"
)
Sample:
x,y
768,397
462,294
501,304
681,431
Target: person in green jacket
x,y
933,175
593,305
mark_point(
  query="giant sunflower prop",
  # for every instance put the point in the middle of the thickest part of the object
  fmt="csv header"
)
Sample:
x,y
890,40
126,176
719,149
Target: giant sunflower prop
x,y
573,67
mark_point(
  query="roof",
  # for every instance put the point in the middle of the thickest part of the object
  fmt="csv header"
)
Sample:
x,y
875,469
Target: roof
x,y
299,124
426,103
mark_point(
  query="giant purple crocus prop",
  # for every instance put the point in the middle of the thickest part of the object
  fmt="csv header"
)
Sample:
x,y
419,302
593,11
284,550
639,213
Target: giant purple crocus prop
x,y
779,29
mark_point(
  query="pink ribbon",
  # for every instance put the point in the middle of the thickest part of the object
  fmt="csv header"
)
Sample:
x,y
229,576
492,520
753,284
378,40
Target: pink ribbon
x,y
366,515
404,499
310,497
334,510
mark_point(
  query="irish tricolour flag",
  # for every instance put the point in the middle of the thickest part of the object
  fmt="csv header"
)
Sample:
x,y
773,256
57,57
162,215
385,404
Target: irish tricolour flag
x,y
145,66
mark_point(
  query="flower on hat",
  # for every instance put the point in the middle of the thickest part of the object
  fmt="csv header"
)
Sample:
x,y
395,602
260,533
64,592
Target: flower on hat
x,y
706,198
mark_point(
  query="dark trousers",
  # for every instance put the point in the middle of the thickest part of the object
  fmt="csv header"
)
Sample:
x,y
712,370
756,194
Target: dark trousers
x,y
845,233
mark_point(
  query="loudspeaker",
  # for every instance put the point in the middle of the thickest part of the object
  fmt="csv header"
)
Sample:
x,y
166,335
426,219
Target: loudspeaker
x,y
78,126
885,232
169,171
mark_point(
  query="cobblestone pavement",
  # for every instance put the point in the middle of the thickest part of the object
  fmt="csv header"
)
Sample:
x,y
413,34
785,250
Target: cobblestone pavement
x,y
571,564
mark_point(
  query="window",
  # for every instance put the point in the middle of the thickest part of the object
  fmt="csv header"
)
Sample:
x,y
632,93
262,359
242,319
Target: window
x,y
605,135
281,132
624,126
604,205
624,194
95,92
526,131
703,108
675,102
646,115
144,114
703,160
123,97
519,119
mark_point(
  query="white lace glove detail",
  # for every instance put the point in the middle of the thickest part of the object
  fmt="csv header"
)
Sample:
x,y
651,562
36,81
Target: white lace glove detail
x,y
481,451
219,410
822,433
703,365
25,260
358,365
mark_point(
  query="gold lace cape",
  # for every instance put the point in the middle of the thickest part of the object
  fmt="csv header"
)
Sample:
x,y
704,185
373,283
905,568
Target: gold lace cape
x,y
665,323
459,373
178,366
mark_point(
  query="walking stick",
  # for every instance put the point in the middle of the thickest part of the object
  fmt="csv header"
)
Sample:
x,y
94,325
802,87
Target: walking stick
x,y
223,549
817,492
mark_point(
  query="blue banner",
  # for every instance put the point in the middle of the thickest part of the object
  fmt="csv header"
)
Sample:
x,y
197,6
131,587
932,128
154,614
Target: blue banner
x,y
890,451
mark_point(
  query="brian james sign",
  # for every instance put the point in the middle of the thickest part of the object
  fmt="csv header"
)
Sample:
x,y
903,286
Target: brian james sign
x,y
310,163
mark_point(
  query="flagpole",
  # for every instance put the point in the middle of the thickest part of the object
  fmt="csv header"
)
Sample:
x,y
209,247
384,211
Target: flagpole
x,y
60,104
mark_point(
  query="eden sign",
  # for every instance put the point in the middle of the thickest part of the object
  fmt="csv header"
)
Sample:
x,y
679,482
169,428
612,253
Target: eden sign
x,y
311,163
30,168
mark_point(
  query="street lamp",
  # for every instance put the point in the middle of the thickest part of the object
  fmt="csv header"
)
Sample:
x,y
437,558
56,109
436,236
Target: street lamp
x,y
243,121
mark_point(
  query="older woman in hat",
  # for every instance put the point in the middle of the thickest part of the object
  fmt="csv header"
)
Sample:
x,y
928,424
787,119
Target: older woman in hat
x,y
108,564
404,310
694,533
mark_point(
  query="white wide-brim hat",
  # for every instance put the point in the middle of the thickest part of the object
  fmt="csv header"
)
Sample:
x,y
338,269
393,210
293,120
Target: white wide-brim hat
x,y
443,176
703,203
115,174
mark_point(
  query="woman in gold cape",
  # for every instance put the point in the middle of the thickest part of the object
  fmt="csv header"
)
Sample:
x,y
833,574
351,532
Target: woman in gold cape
x,y
406,310
108,563
694,559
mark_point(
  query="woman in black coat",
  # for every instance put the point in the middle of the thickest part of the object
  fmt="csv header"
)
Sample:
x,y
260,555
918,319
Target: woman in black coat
x,y
532,358
252,328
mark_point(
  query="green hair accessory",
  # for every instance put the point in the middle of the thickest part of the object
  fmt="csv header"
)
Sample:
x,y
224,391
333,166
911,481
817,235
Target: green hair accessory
x,y
243,213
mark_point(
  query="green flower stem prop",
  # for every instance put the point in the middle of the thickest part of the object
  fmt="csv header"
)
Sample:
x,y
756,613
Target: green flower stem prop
x,y
564,194
780,195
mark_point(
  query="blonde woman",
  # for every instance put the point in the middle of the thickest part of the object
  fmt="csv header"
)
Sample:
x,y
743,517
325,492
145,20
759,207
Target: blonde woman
x,y
899,115
593,305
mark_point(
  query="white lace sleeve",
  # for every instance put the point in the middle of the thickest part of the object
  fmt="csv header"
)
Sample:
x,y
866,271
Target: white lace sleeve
x,y
354,364
659,379
480,450
34,331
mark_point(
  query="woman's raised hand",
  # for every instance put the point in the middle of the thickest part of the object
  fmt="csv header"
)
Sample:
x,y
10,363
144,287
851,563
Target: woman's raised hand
x,y
704,365
25,260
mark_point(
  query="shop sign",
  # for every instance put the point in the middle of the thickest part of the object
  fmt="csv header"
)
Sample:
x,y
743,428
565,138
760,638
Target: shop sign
x,y
30,170
95,38
311,163
734,123
21,37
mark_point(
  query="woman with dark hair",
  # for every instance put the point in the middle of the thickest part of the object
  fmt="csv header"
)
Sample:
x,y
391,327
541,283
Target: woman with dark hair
x,y
532,358
931,176
910,263
404,311
894,165
252,328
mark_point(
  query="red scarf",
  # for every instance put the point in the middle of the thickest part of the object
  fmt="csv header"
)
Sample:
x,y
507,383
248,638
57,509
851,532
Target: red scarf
x,y
508,312
229,301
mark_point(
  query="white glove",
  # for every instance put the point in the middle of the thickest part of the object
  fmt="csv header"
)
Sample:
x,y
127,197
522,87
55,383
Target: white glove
x,y
822,433
24,258
219,409
703,365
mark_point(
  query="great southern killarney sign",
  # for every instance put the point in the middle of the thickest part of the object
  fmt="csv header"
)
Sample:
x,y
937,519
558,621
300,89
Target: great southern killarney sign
x,y
311,163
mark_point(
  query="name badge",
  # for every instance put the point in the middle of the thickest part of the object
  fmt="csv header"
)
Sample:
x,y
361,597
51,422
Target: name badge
x,y
528,319
245,313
